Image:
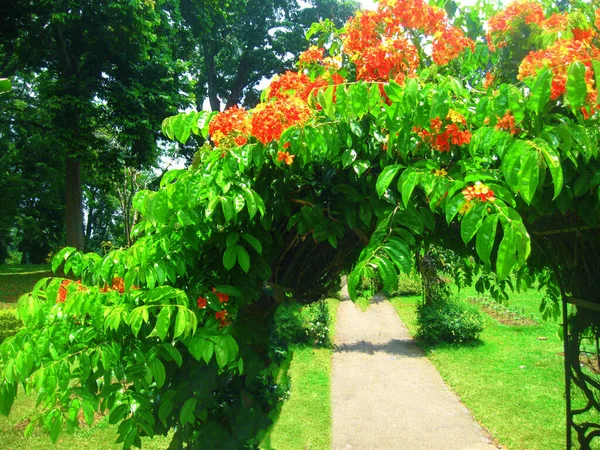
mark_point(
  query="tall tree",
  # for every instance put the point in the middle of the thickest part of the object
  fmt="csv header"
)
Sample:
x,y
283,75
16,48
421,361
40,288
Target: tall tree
x,y
113,65
251,41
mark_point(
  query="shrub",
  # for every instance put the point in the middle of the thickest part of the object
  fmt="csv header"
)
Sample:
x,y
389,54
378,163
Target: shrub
x,y
408,284
9,324
449,321
303,324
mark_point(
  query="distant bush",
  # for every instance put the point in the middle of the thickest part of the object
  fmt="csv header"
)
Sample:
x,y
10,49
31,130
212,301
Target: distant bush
x,y
9,324
303,324
408,284
448,321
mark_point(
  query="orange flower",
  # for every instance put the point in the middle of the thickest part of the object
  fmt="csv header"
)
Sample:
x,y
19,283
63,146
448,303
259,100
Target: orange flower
x,y
223,318
62,291
558,57
270,120
451,134
223,298
479,191
313,54
230,127
118,284
489,79
507,123
286,157
518,12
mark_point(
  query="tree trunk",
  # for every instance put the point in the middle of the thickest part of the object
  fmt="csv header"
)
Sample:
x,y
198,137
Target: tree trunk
x,y
73,204
211,75
241,80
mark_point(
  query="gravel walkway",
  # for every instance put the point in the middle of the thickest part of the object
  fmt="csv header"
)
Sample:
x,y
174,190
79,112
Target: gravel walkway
x,y
386,395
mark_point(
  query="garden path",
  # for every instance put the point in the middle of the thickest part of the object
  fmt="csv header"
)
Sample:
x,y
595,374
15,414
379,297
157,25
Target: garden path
x,y
386,395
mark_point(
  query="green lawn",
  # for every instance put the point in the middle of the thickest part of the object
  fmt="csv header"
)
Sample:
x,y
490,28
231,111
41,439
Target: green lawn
x,y
305,419
16,280
512,381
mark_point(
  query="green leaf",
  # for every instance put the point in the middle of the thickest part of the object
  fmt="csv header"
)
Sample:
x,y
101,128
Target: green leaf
x,y
406,184
540,90
471,221
229,257
506,254
386,177
250,203
529,175
208,351
118,413
181,322
453,205
596,66
158,372
222,355
163,322
88,412
232,239
228,208
576,87
5,85
553,161
349,156
255,243
186,415
486,236
243,258
361,166
393,91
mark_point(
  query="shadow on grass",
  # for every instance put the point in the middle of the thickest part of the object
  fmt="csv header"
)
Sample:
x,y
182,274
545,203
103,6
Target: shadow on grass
x,y
428,346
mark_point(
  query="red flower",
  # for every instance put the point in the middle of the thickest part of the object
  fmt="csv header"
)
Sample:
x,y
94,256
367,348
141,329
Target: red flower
x,y
507,123
62,291
313,54
230,127
201,302
223,298
223,318
286,157
479,191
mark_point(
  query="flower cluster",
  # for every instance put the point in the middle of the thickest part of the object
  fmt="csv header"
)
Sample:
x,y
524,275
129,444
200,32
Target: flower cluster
x,y
62,290
201,302
515,14
559,57
441,136
230,127
448,44
223,298
312,55
439,172
223,318
507,123
294,84
118,284
479,191
489,80
270,120
379,42
286,157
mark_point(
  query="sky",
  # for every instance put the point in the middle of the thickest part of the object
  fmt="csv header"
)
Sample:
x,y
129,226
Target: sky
x,y
367,4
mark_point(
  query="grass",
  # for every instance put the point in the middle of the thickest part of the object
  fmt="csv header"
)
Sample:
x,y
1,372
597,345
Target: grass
x,y
512,381
100,436
305,419
16,280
